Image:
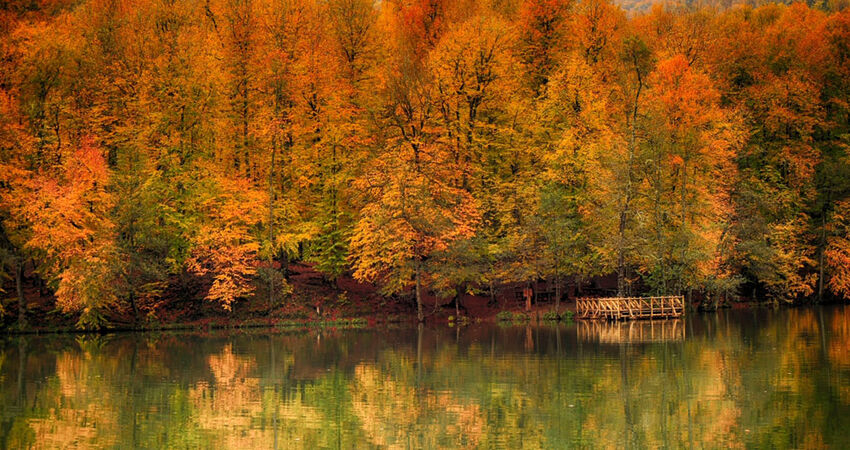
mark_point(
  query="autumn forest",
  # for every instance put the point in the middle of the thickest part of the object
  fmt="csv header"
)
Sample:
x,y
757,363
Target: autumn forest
x,y
153,150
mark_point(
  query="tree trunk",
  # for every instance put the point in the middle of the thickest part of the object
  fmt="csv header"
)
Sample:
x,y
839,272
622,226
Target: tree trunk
x,y
621,262
271,225
557,294
536,296
681,282
659,240
418,277
19,286
132,299
820,255
621,251
457,305
624,213
492,294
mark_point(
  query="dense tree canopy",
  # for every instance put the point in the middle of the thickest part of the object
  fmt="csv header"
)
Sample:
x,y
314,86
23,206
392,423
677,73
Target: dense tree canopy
x,y
154,147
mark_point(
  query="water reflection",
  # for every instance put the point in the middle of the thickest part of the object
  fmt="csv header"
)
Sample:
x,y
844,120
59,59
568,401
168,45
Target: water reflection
x,y
752,378
631,332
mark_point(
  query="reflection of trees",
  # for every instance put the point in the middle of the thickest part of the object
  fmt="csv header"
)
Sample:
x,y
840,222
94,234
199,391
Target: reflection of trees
x,y
397,415
728,384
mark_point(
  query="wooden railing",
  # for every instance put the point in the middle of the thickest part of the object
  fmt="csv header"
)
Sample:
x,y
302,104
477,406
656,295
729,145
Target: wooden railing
x,y
620,308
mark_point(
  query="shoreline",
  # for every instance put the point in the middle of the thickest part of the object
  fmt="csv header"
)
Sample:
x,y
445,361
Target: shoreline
x,y
443,317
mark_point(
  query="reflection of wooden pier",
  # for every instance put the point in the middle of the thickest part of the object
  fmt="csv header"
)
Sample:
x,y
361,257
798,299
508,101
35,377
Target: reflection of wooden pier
x,y
672,330
630,308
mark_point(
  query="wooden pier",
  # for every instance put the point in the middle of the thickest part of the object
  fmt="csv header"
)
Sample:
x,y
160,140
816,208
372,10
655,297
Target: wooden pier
x,y
627,308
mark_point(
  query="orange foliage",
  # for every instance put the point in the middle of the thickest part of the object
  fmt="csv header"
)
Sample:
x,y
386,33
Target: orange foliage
x,y
837,252
224,247
68,220
688,96
524,138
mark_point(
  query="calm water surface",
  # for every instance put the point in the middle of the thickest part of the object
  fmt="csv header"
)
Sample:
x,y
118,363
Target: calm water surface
x,y
738,378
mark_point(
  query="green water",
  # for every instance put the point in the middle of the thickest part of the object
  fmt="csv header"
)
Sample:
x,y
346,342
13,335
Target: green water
x,y
760,378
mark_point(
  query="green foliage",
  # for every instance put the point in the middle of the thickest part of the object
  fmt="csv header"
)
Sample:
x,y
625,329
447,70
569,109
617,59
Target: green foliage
x,y
92,318
342,299
271,286
329,250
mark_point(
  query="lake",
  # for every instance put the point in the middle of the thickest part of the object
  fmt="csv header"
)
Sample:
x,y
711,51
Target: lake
x,y
763,378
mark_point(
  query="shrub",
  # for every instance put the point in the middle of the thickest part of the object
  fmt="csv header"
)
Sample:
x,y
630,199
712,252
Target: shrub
x,y
551,316
504,316
358,322
342,299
